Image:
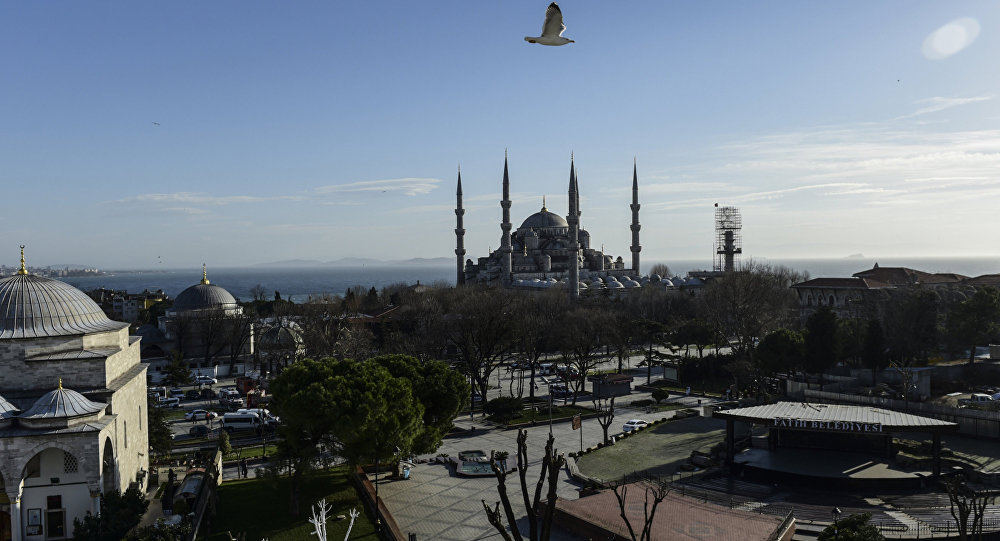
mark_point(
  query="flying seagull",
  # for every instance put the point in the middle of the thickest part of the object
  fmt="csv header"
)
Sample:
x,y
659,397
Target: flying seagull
x,y
157,123
552,29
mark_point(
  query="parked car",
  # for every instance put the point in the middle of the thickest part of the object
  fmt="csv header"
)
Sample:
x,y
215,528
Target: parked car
x,y
193,394
559,390
634,424
196,415
199,431
206,380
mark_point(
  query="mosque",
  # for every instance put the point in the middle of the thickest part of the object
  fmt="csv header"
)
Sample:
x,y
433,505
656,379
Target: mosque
x,y
72,407
548,250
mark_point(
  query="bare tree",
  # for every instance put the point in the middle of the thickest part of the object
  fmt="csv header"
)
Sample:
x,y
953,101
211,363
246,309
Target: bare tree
x,y
552,463
605,415
258,293
968,501
535,327
655,488
239,330
580,338
479,323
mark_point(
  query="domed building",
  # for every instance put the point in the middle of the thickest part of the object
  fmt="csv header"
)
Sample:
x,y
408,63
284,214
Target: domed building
x,y
207,325
545,246
60,447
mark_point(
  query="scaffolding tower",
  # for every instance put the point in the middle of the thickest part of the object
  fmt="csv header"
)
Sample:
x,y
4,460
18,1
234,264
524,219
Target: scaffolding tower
x,y
728,239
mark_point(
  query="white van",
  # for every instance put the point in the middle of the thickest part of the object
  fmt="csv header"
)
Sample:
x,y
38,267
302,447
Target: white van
x,y
240,421
172,402
546,369
266,416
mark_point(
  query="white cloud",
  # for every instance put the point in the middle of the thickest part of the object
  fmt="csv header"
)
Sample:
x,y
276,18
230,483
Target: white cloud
x,y
196,198
938,103
951,38
407,186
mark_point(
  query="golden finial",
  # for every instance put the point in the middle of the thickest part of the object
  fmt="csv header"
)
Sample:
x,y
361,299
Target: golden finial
x,y
23,270
60,383
543,205
526,249
204,274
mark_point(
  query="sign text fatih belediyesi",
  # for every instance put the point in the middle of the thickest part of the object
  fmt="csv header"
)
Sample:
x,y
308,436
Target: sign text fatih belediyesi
x,y
836,426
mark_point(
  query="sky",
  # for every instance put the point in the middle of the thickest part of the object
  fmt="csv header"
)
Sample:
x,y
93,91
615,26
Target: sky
x,y
145,134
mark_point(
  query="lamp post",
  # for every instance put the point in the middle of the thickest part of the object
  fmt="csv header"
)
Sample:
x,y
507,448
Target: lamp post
x,y
836,519
378,516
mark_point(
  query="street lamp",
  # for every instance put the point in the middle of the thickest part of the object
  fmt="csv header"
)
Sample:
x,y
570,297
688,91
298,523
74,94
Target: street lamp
x,y
836,519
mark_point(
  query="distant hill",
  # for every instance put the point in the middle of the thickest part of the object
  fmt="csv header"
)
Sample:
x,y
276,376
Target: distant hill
x,y
361,262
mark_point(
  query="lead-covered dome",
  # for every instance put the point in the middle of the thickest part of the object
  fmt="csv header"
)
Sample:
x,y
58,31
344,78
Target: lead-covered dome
x,y
204,296
35,307
542,219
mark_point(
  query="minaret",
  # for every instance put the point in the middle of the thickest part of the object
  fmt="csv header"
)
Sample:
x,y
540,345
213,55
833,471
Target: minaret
x,y
574,234
460,232
636,248
505,247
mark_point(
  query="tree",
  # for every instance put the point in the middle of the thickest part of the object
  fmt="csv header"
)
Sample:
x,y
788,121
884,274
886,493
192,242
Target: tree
x,y
224,446
781,351
158,429
659,394
580,341
442,391
258,293
606,414
356,409
748,303
853,528
821,347
119,514
481,327
552,463
696,332
873,351
160,531
535,327
656,489
910,323
968,501
504,408
177,372
976,320
661,269
238,330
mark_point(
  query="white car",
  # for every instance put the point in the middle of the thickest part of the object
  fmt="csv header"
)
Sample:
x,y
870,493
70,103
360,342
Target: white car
x,y
206,380
634,424
199,415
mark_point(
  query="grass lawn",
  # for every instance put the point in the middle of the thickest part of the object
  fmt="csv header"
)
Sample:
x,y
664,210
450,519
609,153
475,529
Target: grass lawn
x,y
251,451
261,508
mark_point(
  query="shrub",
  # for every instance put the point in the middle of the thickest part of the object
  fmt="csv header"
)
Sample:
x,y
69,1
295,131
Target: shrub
x,y
642,403
504,408
660,394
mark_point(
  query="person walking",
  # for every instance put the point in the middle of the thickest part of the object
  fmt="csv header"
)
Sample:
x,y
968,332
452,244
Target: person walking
x,y
243,467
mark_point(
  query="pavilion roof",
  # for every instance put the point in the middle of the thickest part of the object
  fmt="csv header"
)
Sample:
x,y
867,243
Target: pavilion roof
x,y
833,413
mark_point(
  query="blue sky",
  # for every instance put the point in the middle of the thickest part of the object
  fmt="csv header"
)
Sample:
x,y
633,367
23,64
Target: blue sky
x,y
318,130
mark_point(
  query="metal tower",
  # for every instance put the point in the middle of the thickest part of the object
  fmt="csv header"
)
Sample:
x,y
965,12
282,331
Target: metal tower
x,y
728,239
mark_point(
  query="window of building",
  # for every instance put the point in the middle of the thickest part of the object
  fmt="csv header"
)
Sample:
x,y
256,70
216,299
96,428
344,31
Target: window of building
x,y
55,518
70,463
126,433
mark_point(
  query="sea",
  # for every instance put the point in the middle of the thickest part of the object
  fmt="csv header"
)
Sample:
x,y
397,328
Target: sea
x,y
299,284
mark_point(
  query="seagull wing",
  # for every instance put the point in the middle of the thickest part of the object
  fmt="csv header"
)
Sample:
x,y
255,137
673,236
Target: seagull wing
x,y
553,26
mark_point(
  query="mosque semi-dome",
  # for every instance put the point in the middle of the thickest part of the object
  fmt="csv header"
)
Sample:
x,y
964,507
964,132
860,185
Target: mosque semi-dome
x,y
280,337
204,296
36,307
60,404
542,219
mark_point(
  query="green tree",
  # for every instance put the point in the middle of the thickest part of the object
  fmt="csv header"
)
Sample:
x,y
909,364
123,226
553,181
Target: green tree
x,y
821,346
159,430
442,391
853,528
873,351
910,323
976,320
659,394
357,409
177,372
224,446
119,514
781,351
504,408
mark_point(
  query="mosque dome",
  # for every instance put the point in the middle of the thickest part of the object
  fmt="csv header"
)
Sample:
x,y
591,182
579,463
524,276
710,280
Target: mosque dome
x,y
544,218
61,404
204,296
281,337
35,307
